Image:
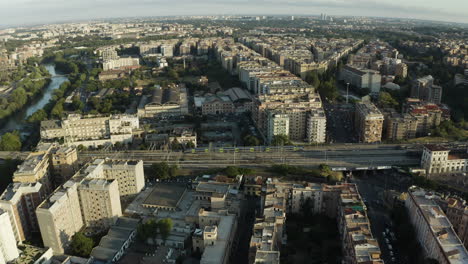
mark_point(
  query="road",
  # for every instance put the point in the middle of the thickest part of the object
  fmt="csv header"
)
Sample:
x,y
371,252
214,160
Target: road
x,y
371,188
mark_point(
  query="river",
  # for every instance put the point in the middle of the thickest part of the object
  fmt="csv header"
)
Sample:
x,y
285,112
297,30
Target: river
x,y
18,120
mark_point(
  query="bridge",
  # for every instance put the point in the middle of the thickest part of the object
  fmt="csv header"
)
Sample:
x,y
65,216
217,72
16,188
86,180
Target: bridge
x,y
337,156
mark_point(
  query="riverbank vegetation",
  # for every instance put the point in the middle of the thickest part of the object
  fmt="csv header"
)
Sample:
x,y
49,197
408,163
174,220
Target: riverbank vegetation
x,y
26,83
10,142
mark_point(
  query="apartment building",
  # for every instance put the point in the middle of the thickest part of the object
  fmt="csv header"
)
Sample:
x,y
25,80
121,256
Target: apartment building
x,y
456,211
91,130
425,89
361,78
301,194
278,124
60,217
344,203
20,201
316,126
269,230
217,238
127,63
305,121
64,161
109,54
437,159
8,249
429,115
129,174
100,203
434,231
398,126
368,122
35,168
359,246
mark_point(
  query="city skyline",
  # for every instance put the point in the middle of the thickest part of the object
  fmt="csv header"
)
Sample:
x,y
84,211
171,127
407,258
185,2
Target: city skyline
x,y
26,12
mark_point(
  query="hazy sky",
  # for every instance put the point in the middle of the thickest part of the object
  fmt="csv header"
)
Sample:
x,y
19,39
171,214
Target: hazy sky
x,y
13,12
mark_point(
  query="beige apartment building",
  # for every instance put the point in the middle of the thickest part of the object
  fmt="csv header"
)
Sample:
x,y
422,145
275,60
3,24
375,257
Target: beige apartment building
x,y
64,163
434,231
368,122
129,174
91,130
60,217
299,109
20,201
456,210
35,168
399,126
100,203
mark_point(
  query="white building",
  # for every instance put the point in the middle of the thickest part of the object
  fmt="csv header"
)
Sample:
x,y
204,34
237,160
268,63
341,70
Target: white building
x,y
60,217
361,78
316,126
8,249
121,63
433,230
300,194
440,160
91,130
278,124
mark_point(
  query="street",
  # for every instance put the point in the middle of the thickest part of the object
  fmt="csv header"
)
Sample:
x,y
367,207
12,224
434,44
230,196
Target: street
x,y
371,186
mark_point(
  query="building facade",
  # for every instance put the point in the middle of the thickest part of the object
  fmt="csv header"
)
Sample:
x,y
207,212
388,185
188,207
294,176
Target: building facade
x,y
368,122
100,203
8,249
433,229
440,160
91,130
60,217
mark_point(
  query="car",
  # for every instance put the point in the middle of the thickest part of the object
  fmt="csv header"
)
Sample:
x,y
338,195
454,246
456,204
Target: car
x,y
383,234
387,241
390,247
391,253
387,230
393,259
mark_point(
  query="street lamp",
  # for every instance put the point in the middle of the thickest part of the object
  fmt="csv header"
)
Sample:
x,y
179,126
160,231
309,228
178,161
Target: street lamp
x,y
347,92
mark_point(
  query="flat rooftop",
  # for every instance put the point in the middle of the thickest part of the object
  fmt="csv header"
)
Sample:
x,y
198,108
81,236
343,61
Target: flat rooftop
x,y
164,195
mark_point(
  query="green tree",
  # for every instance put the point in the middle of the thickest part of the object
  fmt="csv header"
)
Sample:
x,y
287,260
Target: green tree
x,y
386,100
159,171
147,230
250,140
313,79
175,145
81,245
173,74
190,144
10,142
165,226
328,90
281,140
38,116
231,171
77,104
